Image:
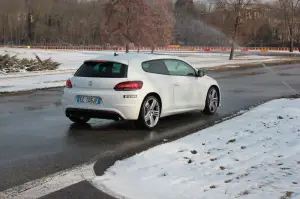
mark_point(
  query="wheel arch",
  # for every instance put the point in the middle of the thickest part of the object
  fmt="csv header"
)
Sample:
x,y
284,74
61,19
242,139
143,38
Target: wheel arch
x,y
139,122
156,95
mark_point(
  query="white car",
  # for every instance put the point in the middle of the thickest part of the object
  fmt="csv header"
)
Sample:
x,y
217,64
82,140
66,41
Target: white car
x,y
139,87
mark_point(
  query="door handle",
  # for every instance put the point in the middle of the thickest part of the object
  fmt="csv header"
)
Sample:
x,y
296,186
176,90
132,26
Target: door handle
x,y
176,84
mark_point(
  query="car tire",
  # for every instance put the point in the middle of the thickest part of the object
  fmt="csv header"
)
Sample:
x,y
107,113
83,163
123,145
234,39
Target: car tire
x,y
79,120
149,113
212,101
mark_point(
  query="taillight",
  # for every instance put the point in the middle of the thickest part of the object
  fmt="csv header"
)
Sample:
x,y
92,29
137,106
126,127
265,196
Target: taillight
x,y
69,84
129,86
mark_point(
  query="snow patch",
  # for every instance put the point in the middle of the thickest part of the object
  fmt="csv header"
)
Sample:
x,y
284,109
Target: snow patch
x,y
255,155
33,82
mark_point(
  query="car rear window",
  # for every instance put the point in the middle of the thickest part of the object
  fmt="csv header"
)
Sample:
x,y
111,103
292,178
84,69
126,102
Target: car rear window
x,y
102,69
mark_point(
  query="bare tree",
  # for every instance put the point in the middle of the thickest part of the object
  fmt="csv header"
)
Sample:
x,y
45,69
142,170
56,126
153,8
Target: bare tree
x,y
162,23
126,21
139,22
50,22
236,10
290,12
148,23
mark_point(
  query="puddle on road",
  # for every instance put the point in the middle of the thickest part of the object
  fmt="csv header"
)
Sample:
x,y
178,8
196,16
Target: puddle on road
x,y
288,74
33,108
243,91
241,74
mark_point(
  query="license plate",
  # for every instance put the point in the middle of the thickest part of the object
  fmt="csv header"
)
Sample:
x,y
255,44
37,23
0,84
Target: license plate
x,y
88,99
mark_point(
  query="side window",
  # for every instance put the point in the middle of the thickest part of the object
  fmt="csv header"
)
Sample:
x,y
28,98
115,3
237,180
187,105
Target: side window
x,y
116,68
155,66
179,68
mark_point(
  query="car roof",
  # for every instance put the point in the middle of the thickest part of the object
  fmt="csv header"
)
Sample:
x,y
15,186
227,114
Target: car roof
x,y
125,57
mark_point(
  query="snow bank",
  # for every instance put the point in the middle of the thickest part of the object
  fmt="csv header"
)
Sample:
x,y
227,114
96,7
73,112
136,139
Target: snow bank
x,y
255,155
14,84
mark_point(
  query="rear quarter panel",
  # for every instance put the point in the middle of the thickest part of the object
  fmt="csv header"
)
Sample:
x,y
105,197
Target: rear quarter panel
x,y
153,83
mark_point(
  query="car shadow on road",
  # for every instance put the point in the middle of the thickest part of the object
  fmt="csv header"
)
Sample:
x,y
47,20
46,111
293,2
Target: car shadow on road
x,y
124,130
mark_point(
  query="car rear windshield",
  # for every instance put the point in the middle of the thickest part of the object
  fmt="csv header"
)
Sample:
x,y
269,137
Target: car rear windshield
x,y
102,69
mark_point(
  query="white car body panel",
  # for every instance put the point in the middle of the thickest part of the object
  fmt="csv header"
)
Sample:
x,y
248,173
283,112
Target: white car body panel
x,y
178,94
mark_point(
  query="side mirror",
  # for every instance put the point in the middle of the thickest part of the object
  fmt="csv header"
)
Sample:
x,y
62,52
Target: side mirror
x,y
200,73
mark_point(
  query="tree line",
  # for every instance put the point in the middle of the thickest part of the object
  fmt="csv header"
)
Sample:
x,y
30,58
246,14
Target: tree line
x,y
150,23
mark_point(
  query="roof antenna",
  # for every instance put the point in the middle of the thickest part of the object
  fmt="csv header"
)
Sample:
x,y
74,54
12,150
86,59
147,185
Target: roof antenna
x,y
115,54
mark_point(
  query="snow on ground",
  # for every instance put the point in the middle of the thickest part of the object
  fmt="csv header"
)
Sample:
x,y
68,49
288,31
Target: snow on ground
x,y
255,155
208,60
71,60
33,82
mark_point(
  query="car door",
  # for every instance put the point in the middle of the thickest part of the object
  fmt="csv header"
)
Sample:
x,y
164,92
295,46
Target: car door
x,y
158,75
183,80
199,88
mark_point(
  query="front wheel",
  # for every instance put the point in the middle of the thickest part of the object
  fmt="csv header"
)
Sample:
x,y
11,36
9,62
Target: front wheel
x,y
149,113
212,101
79,120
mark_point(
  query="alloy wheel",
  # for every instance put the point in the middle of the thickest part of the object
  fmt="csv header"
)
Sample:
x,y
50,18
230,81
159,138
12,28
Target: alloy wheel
x,y
213,100
151,112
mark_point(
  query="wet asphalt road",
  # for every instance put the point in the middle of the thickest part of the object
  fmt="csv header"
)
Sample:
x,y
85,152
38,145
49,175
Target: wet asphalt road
x,y
36,139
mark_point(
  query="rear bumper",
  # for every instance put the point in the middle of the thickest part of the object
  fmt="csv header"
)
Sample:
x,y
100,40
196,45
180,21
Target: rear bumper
x,y
113,105
123,112
102,114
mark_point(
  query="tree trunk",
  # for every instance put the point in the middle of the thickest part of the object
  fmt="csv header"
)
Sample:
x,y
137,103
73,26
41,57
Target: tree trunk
x,y
291,45
231,51
138,50
127,48
152,49
298,42
29,27
236,24
291,39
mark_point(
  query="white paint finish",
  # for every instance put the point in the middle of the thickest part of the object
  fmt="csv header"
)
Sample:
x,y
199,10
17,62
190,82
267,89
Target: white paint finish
x,y
111,100
51,183
164,88
267,168
184,93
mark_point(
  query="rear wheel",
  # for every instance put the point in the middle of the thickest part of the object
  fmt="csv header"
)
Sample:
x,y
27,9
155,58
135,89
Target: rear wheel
x,y
79,120
149,113
212,101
